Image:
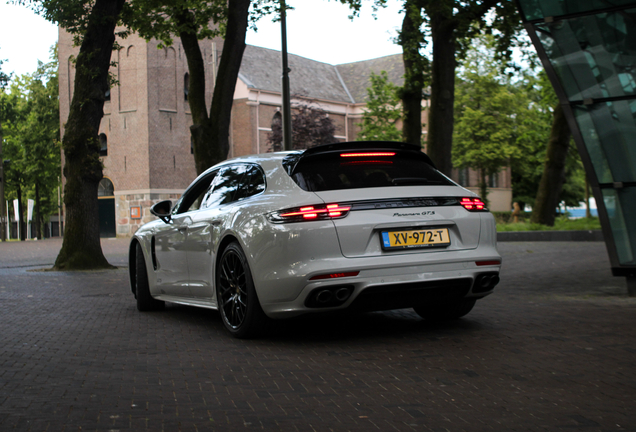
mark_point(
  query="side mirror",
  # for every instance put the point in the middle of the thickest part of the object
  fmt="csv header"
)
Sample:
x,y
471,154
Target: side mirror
x,y
162,210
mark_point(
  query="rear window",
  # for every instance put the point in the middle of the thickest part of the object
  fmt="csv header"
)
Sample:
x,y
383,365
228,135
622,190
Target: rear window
x,y
332,171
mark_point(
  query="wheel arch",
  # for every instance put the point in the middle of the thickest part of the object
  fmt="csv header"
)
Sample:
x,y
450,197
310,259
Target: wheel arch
x,y
225,241
132,264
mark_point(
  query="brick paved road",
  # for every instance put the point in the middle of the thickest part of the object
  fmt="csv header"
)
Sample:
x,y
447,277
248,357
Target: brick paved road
x,y
552,350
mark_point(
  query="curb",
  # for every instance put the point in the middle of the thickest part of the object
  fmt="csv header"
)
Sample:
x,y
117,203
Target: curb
x,y
518,236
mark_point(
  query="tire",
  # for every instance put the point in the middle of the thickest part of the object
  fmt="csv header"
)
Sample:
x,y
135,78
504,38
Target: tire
x,y
446,312
238,303
145,302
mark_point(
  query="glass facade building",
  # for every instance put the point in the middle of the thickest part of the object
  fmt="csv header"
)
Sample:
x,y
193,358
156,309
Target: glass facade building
x,y
588,48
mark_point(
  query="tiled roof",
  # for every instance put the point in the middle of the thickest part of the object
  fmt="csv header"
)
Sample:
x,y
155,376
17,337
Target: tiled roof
x,y
261,69
356,75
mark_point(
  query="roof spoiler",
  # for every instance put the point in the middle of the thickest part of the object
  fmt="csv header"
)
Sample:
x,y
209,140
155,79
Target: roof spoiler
x,y
367,146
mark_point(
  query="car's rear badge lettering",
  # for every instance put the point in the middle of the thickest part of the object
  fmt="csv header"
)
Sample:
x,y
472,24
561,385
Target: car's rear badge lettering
x,y
425,213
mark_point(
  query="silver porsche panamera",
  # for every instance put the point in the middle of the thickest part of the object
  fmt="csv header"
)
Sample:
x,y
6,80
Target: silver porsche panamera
x,y
360,226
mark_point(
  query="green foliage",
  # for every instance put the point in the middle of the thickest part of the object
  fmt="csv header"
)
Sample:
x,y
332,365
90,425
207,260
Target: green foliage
x,y
30,114
505,120
562,223
535,119
383,111
4,78
163,19
486,115
311,126
533,133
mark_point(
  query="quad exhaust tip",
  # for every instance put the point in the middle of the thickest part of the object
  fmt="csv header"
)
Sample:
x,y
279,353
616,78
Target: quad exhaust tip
x,y
329,297
485,282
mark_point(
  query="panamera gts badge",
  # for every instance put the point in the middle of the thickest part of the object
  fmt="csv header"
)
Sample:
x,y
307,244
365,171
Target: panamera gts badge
x,y
424,213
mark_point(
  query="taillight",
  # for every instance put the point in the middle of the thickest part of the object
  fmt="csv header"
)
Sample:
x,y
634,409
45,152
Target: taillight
x,y
309,213
335,275
367,154
488,263
473,204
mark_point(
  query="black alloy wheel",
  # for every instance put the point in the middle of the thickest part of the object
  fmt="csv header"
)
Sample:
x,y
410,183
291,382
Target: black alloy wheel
x,y
145,302
240,309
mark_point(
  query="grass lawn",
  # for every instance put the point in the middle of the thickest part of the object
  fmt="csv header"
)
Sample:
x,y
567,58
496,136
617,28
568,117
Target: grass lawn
x,y
562,223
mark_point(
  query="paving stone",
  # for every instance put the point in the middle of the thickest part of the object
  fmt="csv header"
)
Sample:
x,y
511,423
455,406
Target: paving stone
x,y
551,349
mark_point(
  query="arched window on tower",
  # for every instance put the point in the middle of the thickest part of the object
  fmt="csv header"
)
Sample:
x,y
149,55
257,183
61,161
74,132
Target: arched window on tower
x,y
105,188
186,86
103,144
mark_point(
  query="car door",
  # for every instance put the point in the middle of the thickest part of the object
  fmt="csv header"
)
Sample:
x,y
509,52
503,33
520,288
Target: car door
x,y
207,225
171,241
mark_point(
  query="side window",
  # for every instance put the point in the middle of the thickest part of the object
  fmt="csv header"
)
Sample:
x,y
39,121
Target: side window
x,y
225,186
193,198
253,183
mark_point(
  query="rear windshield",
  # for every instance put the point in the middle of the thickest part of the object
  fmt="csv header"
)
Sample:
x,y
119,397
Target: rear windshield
x,y
333,172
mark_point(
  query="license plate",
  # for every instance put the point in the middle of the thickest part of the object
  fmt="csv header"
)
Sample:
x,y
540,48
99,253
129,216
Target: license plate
x,y
415,238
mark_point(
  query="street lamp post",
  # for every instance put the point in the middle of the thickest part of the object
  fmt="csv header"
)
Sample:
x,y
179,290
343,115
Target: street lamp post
x,y
287,135
3,212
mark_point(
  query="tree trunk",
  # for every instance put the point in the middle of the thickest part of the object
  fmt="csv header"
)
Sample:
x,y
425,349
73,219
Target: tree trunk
x,y
37,216
21,231
414,65
441,114
3,211
210,133
483,187
81,248
553,175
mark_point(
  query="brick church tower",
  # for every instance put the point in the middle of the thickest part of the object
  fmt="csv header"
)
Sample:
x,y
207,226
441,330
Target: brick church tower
x,y
145,135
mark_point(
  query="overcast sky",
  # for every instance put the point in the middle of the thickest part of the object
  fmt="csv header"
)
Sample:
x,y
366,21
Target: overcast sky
x,y
316,29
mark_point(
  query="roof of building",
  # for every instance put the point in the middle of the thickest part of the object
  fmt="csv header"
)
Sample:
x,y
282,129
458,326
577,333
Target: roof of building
x,y
261,69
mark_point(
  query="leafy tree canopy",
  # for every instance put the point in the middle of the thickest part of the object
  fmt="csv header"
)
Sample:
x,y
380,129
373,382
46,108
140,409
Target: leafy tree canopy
x,y
163,19
31,132
383,111
311,126
486,111
506,120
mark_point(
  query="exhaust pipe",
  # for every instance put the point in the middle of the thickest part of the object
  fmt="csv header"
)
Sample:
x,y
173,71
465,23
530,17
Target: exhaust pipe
x,y
342,294
324,296
485,282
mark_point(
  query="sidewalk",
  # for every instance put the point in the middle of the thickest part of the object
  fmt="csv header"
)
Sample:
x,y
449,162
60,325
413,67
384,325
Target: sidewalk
x,y
44,252
552,349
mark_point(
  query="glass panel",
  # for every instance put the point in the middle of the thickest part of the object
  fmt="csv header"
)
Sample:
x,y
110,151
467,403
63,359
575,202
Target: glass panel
x,y
594,56
193,197
253,183
330,171
105,188
539,9
225,185
621,209
608,130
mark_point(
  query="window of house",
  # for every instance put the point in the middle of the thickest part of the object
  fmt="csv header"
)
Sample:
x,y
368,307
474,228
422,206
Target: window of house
x,y
103,144
462,177
186,86
493,180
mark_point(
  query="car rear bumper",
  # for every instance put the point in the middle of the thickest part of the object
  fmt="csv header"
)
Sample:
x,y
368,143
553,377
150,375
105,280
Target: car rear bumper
x,y
383,286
